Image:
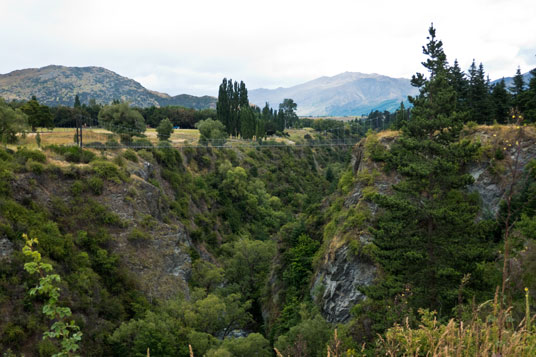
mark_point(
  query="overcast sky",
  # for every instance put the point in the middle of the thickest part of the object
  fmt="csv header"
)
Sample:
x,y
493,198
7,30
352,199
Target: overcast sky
x,y
189,46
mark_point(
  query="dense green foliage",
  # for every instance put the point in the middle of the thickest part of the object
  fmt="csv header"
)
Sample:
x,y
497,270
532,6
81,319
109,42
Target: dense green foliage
x,y
123,120
232,101
421,256
245,198
239,118
67,333
12,123
185,118
38,115
211,131
164,129
255,224
74,236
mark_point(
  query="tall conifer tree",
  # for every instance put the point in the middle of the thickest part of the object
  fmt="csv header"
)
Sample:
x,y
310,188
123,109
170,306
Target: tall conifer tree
x,y
426,234
460,84
528,99
243,95
235,111
223,106
501,100
247,123
479,100
517,90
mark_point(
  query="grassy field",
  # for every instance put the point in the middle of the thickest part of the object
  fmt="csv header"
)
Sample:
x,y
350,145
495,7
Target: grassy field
x,y
65,136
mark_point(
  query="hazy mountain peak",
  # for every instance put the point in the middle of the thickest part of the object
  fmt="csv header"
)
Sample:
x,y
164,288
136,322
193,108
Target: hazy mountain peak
x,y
347,93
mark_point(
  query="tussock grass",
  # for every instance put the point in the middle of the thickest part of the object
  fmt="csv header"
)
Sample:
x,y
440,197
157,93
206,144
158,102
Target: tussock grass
x,y
494,334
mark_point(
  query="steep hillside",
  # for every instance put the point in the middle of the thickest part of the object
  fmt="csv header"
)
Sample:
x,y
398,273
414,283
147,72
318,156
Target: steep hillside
x,y
58,85
345,264
152,234
344,94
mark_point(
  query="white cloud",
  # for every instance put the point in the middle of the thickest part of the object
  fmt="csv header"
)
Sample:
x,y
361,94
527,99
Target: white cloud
x,y
187,47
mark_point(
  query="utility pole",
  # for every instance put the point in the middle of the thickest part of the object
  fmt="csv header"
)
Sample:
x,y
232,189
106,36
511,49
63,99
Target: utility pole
x,y
78,134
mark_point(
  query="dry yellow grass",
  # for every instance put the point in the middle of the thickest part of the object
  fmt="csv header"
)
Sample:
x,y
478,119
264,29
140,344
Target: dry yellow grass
x,y
65,136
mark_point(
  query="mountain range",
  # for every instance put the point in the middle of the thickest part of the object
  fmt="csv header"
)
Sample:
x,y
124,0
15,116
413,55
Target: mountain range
x,y
509,81
58,85
346,94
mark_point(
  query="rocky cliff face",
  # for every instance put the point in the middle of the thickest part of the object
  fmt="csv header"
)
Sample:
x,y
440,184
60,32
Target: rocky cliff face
x,y
345,266
493,173
336,283
6,248
162,263
159,259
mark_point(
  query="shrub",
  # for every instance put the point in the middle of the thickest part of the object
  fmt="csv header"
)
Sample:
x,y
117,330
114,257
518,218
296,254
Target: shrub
x,y
471,124
94,212
73,153
77,188
211,131
163,145
108,170
76,154
346,181
170,158
112,144
23,154
146,155
95,185
138,236
4,155
253,345
164,129
130,155
499,154
310,336
35,167
6,175
367,177
71,171
141,143
374,149
119,161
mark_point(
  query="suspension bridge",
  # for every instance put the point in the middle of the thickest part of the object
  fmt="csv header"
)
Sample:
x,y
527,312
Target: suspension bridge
x,y
347,134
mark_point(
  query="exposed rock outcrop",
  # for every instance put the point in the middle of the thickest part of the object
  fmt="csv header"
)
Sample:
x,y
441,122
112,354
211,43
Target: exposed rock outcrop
x,y
336,284
341,272
6,248
159,257
491,175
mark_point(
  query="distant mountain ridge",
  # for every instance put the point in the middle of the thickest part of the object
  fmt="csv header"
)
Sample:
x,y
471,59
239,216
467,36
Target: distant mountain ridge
x,y
509,81
346,94
58,85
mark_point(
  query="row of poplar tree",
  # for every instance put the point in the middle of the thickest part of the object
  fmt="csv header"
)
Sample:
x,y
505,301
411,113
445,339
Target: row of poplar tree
x,y
247,121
